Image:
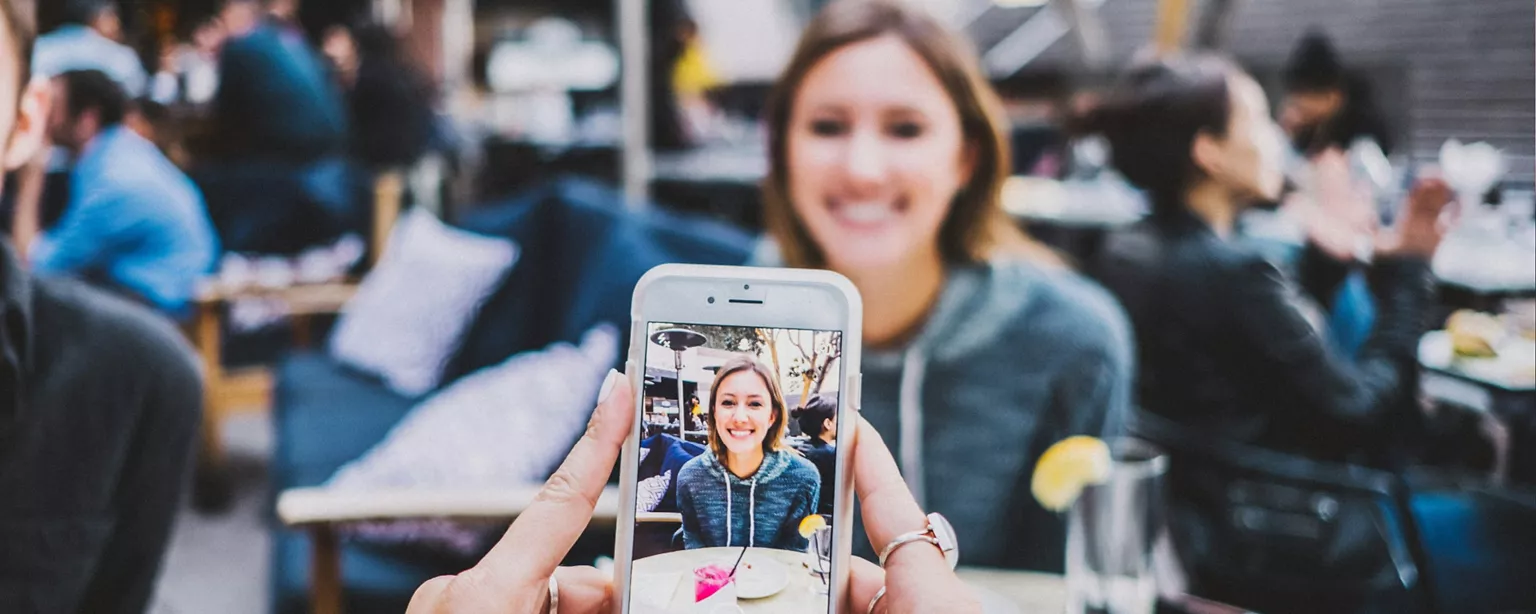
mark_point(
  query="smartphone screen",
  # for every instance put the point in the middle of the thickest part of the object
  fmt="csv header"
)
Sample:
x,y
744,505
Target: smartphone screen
x,y
737,462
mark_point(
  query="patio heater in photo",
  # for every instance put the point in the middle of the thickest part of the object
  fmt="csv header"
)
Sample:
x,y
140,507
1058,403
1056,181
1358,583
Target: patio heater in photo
x,y
679,340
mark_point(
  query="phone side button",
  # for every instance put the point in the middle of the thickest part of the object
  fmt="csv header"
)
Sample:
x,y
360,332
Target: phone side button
x,y
630,371
856,394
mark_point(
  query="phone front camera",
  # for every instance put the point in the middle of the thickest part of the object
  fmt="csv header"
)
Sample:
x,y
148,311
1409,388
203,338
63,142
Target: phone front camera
x,y
711,300
746,286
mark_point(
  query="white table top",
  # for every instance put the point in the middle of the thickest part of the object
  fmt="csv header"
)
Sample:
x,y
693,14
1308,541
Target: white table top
x,y
676,569
1001,591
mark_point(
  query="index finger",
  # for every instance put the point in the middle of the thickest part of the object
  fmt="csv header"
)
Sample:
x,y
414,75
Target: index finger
x,y
887,504
536,543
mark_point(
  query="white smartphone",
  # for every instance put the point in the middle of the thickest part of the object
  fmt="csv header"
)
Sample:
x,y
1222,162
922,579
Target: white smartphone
x,y
735,490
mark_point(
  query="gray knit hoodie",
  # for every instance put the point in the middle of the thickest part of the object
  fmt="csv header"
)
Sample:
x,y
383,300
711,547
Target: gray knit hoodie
x,y
1013,358
764,510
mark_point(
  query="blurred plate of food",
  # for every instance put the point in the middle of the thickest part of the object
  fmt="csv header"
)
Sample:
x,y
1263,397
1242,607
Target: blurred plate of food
x,y
1495,349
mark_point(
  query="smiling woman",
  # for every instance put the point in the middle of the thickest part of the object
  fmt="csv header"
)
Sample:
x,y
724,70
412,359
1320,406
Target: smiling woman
x,y
886,163
747,456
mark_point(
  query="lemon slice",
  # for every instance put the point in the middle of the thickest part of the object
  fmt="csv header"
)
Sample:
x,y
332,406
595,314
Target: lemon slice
x,y
1067,467
811,524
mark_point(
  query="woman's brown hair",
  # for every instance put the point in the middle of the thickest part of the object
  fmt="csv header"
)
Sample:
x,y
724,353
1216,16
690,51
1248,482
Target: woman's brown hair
x,y
775,438
976,226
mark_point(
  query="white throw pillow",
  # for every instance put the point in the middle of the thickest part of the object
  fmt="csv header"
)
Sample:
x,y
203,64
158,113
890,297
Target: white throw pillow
x,y
506,425
411,310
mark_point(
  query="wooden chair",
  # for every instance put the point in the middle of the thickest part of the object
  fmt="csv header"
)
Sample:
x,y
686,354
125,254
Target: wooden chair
x,y
321,512
232,392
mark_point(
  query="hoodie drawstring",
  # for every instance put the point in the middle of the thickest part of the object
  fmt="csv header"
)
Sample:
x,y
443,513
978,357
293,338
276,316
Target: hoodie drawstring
x,y
728,515
910,412
751,513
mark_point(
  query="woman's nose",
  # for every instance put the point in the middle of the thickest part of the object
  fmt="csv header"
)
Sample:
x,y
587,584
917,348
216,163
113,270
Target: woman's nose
x,y
864,159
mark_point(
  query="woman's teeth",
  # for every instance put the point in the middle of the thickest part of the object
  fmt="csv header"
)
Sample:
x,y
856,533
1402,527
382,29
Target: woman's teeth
x,y
740,432
866,213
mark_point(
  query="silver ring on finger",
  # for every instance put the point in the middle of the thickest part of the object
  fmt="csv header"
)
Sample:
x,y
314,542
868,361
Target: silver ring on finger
x,y
554,595
876,601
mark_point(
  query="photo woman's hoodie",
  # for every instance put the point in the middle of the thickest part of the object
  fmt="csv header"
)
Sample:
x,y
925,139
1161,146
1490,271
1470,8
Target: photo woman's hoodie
x,y
763,510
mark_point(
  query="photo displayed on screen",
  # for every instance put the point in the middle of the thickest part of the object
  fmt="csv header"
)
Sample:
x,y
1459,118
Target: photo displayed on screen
x,y
737,455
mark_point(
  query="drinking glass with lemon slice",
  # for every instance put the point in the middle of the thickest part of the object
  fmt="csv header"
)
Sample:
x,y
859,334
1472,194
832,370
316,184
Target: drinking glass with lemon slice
x,y
818,554
1112,500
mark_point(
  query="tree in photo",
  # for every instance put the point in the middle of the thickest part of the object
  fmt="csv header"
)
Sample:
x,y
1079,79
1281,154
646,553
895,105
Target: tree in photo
x,y
818,355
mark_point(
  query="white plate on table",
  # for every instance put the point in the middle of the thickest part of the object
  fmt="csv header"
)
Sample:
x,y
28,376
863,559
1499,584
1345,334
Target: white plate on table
x,y
758,577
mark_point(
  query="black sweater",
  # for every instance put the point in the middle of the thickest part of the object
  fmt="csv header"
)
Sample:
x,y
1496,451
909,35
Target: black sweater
x,y
99,408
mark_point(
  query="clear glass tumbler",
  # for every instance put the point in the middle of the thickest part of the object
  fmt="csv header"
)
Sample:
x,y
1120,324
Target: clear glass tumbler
x,y
1111,530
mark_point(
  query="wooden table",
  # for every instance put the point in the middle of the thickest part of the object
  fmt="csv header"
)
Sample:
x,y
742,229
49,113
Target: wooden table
x,y
1001,592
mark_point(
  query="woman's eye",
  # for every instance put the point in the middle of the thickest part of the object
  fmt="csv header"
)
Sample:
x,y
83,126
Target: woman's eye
x,y
906,130
727,403
827,127
756,405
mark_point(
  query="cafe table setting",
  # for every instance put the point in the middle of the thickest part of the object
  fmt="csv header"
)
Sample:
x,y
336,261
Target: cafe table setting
x,y
772,581
1119,558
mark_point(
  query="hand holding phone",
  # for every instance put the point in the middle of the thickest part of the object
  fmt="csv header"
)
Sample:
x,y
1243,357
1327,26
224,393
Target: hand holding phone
x,y
515,575
713,468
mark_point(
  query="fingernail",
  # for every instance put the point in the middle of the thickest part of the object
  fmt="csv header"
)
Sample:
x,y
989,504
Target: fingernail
x,y
607,389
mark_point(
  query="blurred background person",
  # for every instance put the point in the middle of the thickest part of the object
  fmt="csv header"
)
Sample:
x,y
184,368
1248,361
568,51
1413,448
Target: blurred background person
x,y
1326,106
189,70
1341,139
1232,349
818,422
388,99
887,155
278,181
90,39
1224,347
134,223
99,406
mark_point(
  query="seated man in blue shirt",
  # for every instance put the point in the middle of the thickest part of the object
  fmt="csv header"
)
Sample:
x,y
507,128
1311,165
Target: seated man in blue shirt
x,y
134,222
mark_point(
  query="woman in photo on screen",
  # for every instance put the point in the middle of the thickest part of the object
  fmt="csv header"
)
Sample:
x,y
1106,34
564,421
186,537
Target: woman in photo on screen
x,y
818,421
750,488
888,151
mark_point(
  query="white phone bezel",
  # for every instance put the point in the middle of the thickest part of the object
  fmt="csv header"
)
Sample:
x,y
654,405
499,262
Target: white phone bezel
x,y
786,298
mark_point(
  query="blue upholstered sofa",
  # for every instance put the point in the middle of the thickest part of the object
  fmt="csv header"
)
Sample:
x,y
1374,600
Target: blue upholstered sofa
x,y
581,254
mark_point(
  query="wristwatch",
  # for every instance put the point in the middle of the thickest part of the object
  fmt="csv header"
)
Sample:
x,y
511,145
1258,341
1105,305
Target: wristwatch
x,y
939,533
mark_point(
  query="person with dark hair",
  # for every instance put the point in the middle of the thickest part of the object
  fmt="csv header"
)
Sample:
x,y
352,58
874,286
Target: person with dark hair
x,y
91,39
389,99
99,407
1225,345
1334,124
1327,106
279,182
134,222
818,421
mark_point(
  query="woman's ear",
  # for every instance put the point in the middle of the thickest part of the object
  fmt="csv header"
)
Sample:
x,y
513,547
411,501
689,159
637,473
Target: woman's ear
x,y
1206,152
969,154
29,132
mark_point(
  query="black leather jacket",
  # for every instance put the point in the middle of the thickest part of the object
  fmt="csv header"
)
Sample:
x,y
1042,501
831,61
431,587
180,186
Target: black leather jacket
x,y
1231,346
